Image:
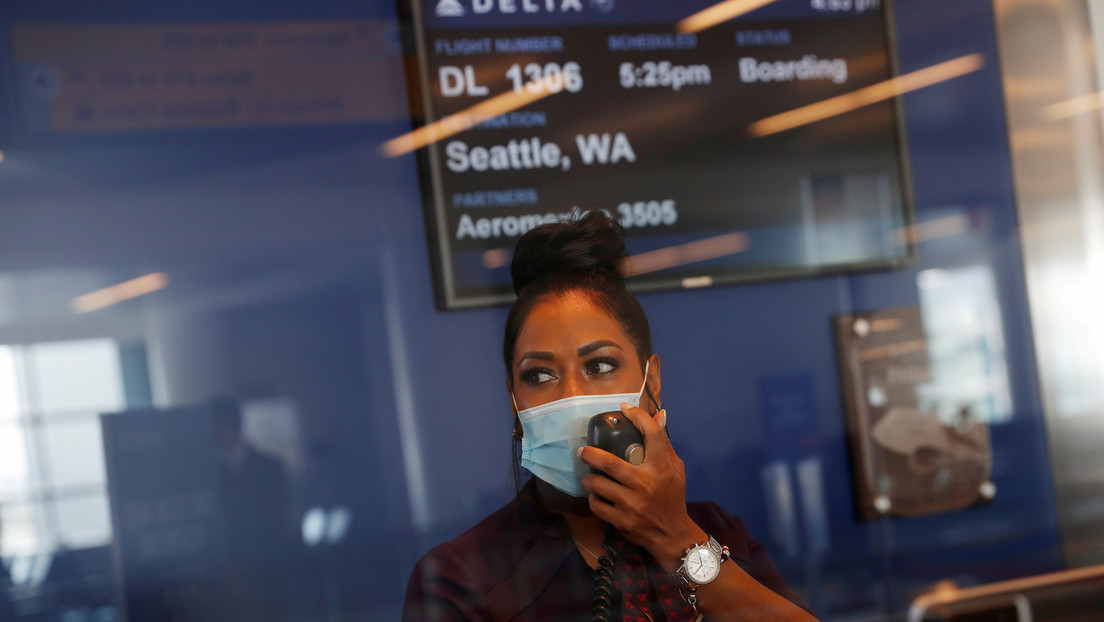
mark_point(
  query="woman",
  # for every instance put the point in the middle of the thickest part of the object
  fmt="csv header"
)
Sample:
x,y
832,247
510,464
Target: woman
x,y
578,344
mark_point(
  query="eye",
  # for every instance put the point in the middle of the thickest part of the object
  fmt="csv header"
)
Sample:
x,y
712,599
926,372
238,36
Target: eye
x,y
537,375
602,366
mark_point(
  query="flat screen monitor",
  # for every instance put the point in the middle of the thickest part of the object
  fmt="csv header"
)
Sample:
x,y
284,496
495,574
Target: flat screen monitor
x,y
758,146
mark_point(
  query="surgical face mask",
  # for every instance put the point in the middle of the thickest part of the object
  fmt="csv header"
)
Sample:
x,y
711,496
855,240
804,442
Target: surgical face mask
x,y
554,432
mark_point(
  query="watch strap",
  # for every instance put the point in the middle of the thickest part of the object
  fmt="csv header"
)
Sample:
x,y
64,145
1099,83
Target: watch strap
x,y
691,586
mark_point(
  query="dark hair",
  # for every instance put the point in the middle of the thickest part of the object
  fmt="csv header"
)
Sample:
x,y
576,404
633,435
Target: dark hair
x,y
585,255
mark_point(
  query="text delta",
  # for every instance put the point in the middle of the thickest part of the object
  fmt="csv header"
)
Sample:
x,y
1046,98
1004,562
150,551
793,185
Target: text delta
x,y
480,7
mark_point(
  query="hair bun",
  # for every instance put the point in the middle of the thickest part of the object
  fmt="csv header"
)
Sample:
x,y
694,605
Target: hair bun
x,y
593,242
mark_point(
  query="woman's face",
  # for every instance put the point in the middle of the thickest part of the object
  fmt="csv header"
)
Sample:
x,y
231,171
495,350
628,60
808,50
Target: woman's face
x,y
569,346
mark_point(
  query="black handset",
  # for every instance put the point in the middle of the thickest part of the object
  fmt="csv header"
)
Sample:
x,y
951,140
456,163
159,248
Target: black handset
x,y
613,432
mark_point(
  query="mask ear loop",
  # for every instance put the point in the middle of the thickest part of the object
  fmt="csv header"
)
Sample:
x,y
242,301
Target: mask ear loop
x,y
644,390
653,398
517,432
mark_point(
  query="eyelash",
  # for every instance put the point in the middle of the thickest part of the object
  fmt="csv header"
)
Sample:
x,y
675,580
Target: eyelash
x,y
532,376
592,364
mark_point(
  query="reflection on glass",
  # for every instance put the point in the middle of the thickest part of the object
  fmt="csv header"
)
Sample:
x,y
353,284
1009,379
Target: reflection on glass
x,y
962,322
75,376
83,521
253,491
14,479
74,453
9,395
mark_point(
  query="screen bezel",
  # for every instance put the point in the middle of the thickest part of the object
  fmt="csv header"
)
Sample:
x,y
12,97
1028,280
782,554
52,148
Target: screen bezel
x,y
446,297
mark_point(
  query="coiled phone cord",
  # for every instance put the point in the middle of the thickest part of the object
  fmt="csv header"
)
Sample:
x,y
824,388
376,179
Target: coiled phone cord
x,y
603,596
603,577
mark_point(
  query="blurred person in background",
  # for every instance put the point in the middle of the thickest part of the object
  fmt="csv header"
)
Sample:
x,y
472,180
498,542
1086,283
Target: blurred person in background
x,y
253,491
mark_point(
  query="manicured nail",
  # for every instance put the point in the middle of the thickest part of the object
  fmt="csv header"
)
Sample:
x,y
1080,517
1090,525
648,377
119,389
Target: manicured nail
x,y
579,453
662,418
625,406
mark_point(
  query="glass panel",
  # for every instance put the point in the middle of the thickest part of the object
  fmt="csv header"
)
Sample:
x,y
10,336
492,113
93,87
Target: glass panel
x,y
964,329
207,180
15,478
76,376
83,521
74,453
9,387
21,529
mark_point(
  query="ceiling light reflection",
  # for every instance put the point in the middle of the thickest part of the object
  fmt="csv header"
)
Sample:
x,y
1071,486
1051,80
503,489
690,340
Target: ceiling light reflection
x,y
868,95
1073,107
932,229
691,252
893,349
719,13
472,116
495,258
885,325
118,293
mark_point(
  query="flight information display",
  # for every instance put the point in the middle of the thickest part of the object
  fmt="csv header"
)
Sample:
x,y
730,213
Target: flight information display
x,y
745,148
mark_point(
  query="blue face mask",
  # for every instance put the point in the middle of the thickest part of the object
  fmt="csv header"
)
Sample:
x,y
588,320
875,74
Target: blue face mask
x,y
554,432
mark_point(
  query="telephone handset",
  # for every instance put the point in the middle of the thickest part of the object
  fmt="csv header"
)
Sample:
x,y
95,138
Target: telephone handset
x,y
613,432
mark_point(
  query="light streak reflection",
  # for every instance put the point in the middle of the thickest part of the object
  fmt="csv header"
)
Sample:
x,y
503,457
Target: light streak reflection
x,y
118,293
868,95
469,117
691,252
1073,107
719,13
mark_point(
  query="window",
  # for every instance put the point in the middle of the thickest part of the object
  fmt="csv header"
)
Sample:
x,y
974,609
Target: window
x,y
52,477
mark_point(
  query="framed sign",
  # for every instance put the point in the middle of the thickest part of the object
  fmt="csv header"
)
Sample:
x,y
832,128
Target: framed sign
x,y
528,111
167,518
909,456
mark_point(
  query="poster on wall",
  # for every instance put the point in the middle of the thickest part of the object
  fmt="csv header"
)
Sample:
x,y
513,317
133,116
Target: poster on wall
x,y
910,455
694,135
70,80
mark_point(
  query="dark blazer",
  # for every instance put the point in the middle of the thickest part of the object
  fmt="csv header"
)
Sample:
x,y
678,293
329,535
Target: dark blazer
x,y
521,564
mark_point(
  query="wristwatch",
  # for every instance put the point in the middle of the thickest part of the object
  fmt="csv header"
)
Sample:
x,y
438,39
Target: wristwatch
x,y
702,563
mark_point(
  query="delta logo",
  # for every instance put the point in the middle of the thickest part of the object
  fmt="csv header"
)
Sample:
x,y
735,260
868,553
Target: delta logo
x,y
455,8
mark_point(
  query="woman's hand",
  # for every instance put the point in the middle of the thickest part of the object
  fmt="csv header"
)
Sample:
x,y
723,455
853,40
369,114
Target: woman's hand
x,y
646,503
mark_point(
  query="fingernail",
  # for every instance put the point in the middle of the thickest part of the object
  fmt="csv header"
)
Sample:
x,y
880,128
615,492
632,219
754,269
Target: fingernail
x,y
625,406
579,453
662,418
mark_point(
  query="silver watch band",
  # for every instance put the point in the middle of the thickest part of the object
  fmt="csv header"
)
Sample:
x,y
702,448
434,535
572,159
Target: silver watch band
x,y
712,544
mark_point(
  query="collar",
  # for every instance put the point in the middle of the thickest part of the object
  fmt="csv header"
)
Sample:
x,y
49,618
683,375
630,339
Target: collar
x,y
543,560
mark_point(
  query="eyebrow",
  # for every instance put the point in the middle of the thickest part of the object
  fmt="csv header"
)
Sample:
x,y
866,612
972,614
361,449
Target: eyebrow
x,y
537,354
541,355
597,345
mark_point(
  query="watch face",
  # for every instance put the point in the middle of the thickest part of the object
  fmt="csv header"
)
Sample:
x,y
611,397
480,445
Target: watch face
x,y
702,565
